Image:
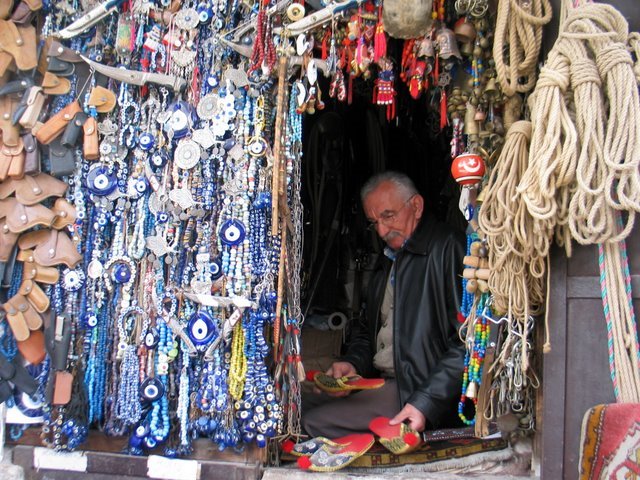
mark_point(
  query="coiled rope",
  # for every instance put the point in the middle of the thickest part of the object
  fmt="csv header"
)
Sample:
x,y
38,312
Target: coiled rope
x,y
583,170
599,153
516,45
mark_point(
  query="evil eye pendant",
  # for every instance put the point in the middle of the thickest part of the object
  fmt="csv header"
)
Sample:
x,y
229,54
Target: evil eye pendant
x,y
152,338
137,187
201,328
91,321
151,389
232,232
121,273
158,159
146,141
72,280
205,13
100,181
257,147
162,217
215,269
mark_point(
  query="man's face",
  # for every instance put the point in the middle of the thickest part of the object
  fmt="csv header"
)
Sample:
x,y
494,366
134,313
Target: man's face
x,y
393,215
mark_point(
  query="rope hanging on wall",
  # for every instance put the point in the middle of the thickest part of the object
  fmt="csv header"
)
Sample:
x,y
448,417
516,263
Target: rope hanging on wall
x,y
516,46
583,163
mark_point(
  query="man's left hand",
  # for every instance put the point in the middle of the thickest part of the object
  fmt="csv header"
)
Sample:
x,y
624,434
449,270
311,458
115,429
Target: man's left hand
x,y
412,416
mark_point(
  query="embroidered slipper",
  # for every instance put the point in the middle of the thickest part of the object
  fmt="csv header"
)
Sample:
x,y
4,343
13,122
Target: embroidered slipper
x,y
309,447
398,439
330,459
329,384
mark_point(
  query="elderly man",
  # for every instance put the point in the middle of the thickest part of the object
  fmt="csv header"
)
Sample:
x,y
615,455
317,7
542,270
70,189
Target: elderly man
x,y
409,331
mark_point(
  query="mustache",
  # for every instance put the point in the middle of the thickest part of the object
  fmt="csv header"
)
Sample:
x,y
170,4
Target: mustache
x,y
390,236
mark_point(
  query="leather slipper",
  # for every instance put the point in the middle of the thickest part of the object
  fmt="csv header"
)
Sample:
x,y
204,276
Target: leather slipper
x,y
329,384
311,446
330,459
398,439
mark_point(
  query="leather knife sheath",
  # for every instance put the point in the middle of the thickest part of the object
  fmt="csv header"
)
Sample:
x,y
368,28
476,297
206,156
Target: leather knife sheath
x,y
57,123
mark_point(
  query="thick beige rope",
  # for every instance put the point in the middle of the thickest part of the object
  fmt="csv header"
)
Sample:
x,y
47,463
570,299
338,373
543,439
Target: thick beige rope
x,y
516,267
634,45
584,158
581,171
517,40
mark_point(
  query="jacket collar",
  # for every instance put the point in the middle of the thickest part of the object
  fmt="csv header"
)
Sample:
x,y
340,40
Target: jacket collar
x,y
420,241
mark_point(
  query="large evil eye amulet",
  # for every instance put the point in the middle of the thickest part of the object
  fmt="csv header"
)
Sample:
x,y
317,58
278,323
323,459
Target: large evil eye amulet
x,y
232,232
201,328
100,181
151,389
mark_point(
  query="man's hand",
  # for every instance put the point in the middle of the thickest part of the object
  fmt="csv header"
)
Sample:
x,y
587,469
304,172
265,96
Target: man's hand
x,y
338,370
412,415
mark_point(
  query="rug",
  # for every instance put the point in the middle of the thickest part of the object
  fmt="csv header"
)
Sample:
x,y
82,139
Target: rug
x,y
610,442
441,445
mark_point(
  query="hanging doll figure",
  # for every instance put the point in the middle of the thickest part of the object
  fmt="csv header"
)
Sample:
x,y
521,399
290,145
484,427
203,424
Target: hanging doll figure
x,y
384,92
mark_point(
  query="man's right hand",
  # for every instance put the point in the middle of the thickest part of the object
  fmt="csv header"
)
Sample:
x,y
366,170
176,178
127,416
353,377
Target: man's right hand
x,y
338,370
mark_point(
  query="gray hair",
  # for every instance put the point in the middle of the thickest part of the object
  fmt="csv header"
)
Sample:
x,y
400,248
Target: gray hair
x,y
401,181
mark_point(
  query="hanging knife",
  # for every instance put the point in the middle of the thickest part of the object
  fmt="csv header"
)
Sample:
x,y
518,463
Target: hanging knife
x,y
89,19
136,77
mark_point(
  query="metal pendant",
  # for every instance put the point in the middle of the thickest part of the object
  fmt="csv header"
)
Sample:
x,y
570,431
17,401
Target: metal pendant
x,y
187,154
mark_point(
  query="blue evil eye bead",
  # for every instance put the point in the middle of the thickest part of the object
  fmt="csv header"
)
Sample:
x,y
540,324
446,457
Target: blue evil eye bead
x,y
72,280
162,217
150,442
213,81
138,186
158,159
215,269
146,141
121,273
201,328
152,338
232,232
142,431
101,182
261,440
91,321
205,13
151,389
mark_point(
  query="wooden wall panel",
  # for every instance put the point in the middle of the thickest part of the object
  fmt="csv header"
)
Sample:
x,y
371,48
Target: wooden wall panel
x,y
576,372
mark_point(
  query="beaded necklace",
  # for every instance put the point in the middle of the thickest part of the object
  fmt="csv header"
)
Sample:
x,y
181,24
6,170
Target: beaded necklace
x,y
474,360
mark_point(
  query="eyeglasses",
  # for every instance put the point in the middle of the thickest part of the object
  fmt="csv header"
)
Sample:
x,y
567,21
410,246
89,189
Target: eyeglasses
x,y
388,217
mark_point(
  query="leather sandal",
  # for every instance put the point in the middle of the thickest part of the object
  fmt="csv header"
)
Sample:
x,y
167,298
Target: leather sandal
x,y
398,439
330,459
329,384
309,447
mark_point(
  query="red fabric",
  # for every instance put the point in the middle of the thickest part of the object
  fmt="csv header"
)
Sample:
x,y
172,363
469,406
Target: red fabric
x,y
610,442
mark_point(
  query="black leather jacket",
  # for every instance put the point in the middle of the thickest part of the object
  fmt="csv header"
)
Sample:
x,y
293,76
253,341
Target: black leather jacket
x,y
428,354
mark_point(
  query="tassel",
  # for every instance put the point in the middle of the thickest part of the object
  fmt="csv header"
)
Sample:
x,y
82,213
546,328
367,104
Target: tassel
x,y
380,39
360,51
325,40
444,121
